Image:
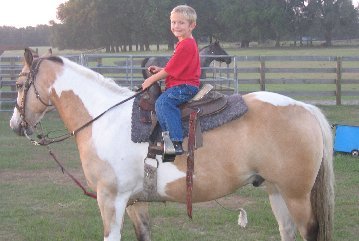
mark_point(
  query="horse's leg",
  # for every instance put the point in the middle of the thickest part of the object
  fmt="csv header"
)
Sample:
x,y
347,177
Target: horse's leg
x,y
286,225
138,213
302,213
112,207
293,212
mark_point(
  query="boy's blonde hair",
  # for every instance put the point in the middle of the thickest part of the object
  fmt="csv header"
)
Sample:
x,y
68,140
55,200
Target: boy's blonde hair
x,y
188,12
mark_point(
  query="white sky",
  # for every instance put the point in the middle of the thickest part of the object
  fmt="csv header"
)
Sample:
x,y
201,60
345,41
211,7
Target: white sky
x,y
22,13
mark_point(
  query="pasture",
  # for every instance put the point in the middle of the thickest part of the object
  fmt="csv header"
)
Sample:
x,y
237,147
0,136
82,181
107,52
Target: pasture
x,y
302,73
38,202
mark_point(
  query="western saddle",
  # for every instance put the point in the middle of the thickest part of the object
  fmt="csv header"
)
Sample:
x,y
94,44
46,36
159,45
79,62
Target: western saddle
x,y
205,102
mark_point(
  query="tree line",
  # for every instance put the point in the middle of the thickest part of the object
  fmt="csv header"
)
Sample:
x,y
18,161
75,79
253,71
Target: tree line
x,y
122,25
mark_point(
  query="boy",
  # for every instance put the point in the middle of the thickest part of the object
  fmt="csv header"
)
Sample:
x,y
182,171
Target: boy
x,y
182,74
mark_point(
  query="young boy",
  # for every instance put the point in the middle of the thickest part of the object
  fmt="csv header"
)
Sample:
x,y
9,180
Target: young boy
x,y
182,74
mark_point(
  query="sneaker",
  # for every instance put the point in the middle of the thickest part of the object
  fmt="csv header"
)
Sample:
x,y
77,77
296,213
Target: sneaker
x,y
178,148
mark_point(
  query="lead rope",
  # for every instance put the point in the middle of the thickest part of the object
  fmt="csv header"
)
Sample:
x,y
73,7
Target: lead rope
x,y
77,182
64,171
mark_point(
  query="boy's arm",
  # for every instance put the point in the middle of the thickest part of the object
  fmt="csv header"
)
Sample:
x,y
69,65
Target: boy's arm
x,y
154,78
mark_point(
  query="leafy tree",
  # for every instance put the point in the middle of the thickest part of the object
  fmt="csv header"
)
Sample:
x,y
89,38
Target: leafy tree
x,y
348,20
117,25
330,13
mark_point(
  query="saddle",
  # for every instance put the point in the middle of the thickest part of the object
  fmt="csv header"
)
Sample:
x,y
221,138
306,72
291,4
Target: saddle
x,y
205,102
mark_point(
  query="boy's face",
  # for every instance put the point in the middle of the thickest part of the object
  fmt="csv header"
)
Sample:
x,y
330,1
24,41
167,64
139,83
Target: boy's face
x,y
180,26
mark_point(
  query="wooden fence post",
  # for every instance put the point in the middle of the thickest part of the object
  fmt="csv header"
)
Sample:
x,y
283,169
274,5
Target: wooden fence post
x,y
338,79
262,69
13,73
235,73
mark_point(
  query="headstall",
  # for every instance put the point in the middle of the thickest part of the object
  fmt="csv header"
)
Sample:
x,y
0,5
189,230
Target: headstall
x,y
30,80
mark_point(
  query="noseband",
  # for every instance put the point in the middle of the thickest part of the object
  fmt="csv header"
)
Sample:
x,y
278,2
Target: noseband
x,y
30,80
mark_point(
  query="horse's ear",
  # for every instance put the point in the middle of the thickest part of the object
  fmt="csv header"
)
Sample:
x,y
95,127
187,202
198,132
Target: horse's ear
x,y
28,57
48,54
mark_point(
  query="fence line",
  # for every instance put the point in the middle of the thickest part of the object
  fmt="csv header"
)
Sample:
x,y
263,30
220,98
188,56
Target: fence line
x,y
327,78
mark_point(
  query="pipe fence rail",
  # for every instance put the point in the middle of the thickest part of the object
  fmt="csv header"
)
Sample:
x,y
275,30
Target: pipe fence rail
x,y
318,79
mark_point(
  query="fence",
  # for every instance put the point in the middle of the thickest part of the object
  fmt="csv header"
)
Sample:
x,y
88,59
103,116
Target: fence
x,y
323,79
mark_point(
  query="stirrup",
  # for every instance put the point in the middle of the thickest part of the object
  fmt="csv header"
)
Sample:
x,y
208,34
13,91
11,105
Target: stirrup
x,y
168,147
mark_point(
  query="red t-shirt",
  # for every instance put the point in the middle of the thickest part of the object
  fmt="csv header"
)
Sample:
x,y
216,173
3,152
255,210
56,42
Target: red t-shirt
x,y
184,65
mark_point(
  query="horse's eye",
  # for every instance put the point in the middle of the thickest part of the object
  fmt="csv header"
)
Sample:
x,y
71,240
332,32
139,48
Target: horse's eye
x,y
19,86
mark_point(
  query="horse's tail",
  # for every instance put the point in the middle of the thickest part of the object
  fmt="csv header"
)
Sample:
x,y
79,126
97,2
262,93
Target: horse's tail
x,y
144,70
322,195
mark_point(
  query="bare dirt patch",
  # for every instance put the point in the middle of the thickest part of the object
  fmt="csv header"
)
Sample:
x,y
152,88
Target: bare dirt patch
x,y
54,176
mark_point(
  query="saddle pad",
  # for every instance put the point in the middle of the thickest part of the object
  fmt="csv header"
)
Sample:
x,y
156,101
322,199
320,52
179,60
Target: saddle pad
x,y
236,108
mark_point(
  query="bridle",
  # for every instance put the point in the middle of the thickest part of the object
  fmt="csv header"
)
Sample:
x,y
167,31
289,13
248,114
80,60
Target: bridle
x,y
30,81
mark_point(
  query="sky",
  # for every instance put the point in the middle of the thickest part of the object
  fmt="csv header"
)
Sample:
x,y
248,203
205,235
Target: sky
x,y
23,13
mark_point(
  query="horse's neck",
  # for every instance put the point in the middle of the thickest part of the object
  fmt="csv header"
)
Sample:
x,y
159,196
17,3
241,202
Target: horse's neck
x,y
83,98
205,61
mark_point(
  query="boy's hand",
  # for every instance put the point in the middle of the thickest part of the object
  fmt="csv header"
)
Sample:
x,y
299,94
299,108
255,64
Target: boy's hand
x,y
160,73
146,84
154,69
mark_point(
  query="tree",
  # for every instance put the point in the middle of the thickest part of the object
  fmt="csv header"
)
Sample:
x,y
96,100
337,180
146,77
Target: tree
x,y
330,13
348,20
119,24
76,25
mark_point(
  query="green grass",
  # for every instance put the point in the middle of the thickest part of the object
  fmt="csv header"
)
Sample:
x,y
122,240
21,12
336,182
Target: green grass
x,y
38,202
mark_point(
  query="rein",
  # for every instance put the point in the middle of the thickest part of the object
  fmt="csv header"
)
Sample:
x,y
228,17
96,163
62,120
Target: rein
x,y
44,141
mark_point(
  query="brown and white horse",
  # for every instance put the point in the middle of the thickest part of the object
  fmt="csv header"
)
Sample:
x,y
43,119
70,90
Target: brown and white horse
x,y
286,142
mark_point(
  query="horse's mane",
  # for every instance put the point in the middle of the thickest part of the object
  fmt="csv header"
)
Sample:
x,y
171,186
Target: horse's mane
x,y
94,76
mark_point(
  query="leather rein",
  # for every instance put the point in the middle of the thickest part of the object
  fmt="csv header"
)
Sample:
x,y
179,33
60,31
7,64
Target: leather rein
x,y
43,139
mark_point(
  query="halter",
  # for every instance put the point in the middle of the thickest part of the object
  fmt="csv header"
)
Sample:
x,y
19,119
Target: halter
x,y
30,80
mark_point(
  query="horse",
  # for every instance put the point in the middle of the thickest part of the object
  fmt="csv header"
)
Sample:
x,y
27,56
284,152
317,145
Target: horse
x,y
287,144
207,55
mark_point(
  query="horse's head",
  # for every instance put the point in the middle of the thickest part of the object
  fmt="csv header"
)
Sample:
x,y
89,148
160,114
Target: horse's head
x,y
216,49
32,99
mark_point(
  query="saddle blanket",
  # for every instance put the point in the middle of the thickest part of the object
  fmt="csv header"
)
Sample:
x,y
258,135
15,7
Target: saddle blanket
x,y
236,108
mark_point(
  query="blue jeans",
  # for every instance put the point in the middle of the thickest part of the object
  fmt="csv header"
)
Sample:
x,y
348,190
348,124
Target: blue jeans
x,y
168,112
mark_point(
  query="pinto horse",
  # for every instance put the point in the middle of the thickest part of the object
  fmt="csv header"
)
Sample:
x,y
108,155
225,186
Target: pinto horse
x,y
287,143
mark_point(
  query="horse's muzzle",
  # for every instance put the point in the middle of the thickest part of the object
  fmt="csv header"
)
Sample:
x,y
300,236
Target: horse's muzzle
x,y
18,128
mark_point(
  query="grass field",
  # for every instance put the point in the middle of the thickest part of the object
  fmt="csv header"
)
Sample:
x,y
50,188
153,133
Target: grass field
x,y
38,202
